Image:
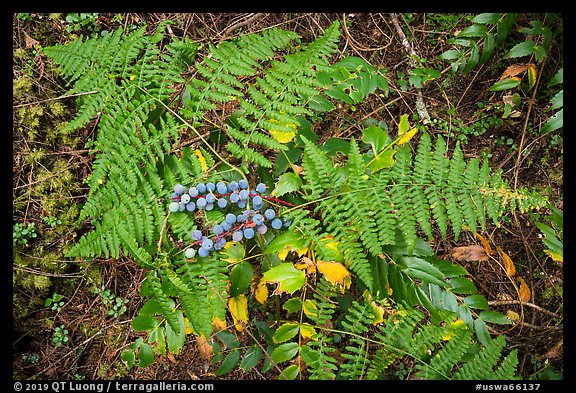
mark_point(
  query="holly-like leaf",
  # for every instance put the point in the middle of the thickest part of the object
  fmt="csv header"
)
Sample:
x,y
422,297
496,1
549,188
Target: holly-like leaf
x,y
288,278
285,243
145,355
287,182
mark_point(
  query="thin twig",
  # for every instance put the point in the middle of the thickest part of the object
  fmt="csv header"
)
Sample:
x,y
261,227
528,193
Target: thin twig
x,y
55,98
507,302
420,106
243,23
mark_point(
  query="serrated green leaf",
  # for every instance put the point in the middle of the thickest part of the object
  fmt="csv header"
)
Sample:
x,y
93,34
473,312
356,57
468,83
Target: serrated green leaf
x,y
229,339
553,123
451,54
320,104
251,358
462,285
557,78
558,100
522,49
289,373
175,340
292,305
145,355
285,332
505,84
241,277
419,268
474,31
287,182
487,18
129,357
481,331
284,352
229,362
334,145
143,323
476,301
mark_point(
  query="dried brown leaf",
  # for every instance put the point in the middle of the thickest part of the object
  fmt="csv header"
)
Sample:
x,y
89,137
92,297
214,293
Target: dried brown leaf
x,y
524,290
470,253
513,70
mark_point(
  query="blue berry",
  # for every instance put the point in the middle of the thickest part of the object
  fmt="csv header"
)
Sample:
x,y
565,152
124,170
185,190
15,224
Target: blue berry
x,y
201,187
217,229
190,206
237,236
190,252
179,189
287,223
221,187
203,252
226,226
248,233
243,195
261,229
185,198
261,188
210,187
257,200
222,202
270,214
173,207
258,219
201,203
230,218
276,223
243,184
196,234
208,244
181,206
234,197
210,198
233,186
193,192
209,206
241,204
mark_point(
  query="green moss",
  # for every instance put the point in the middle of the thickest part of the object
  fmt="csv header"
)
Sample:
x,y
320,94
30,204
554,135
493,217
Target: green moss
x,y
29,120
22,87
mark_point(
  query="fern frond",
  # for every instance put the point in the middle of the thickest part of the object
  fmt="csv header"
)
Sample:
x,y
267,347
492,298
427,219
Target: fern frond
x,y
482,365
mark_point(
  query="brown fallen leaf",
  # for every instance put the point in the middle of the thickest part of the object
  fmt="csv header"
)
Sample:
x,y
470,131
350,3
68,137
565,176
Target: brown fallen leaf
x,y
205,349
525,293
470,253
30,42
556,351
514,70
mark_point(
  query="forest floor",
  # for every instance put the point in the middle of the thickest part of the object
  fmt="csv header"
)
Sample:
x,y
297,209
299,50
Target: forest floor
x,y
68,319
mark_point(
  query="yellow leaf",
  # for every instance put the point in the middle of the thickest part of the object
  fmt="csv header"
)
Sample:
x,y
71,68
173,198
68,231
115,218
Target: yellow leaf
x,y
557,257
260,291
306,263
219,324
202,160
239,309
513,315
378,313
531,76
407,136
525,293
188,327
484,243
508,264
284,252
282,136
335,272
307,331
309,308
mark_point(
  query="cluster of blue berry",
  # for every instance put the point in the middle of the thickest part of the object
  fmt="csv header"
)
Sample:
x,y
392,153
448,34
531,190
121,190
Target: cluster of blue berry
x,y
252,218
